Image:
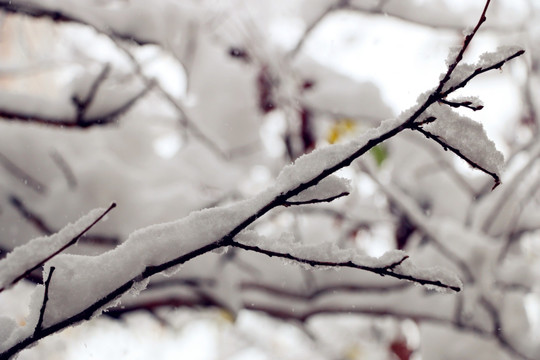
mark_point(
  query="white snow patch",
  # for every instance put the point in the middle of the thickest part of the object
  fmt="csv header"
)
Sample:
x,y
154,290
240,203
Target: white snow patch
x,y
465,135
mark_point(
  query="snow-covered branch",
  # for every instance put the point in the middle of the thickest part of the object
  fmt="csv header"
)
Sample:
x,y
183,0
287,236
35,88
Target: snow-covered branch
x,y
246,238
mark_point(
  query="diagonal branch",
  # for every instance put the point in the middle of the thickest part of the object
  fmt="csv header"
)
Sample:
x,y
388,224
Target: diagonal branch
x,y
82,105
456,151
461,52
58,251
316,201
479,71
79,121
387,270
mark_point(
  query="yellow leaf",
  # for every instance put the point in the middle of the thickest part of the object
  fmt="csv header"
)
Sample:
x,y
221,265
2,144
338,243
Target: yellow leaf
x,y
340,128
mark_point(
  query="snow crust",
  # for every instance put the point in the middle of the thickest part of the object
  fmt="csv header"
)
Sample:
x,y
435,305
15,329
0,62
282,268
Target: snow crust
x,y
326,188
329,252
468,136
309,166
32,253
80,281
488,59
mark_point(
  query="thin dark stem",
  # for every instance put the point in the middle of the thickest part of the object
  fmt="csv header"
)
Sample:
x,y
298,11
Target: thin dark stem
x,y
45,299
456,151
461,52
58,251
479,71
79,121
466,104
89,312
316,201
388,270
82,105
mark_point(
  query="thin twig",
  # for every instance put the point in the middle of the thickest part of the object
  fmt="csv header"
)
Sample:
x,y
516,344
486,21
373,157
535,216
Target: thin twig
x,y
316,201
456,151
58,251
462,50
82,105
387,270
466,104
96,120
44,304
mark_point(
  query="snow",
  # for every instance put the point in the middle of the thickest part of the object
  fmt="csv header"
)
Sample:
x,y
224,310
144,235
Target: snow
x,y
310,166
328,252
466,135
486,60
79,281
29,255
325,189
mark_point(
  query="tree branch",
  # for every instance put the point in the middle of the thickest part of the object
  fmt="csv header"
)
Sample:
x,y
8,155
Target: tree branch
x,y
387,270
58,251
45,299
315,201
456,151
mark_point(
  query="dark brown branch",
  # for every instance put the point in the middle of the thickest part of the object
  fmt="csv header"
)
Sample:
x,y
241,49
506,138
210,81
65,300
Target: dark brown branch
x,y
388,270
110,117
89,312
315,201
82,105
456,151
462,50
466,104
45,299
479,71
70,243
78,122
22,175
40,224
